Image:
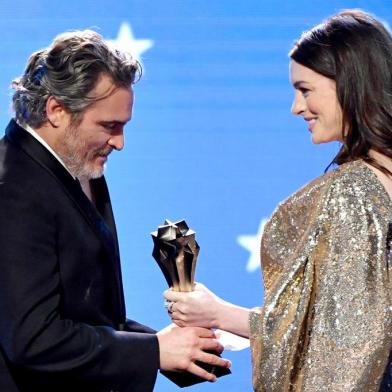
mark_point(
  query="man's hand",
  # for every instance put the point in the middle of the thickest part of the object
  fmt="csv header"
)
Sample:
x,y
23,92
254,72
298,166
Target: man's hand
x,y
180,348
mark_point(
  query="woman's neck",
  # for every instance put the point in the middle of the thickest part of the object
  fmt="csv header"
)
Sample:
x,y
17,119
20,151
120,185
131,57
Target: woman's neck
x,y
381,159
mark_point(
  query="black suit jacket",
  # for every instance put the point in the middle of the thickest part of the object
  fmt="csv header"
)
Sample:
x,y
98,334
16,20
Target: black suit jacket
x,y
62,313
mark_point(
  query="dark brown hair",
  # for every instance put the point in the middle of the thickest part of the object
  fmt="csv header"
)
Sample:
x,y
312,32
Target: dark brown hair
x,y
355,50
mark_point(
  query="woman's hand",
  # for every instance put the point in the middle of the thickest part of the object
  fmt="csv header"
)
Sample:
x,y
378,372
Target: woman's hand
x,y
198,308
202,308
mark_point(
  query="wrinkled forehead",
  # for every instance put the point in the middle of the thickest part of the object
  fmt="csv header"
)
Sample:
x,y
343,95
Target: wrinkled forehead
x,y
114,105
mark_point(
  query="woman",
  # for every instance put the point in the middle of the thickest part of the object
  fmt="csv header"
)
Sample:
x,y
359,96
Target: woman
x,y
326,324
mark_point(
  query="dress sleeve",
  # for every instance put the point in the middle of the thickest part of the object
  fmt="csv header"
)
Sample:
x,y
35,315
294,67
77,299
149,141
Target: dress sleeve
x,y
255,335
348,328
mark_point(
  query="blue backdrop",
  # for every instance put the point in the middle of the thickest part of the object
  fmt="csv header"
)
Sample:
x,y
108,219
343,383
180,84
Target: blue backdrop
x,y
212,139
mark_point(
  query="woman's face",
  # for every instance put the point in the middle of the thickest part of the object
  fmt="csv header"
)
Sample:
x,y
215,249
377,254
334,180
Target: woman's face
x,y
316,101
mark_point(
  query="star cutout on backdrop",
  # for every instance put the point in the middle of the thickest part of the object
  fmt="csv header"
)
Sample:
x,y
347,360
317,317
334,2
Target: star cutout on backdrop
x,y
126,42
252,244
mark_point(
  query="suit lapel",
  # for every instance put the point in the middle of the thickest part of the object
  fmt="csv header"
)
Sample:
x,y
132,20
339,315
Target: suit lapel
x,y
17,135
104,206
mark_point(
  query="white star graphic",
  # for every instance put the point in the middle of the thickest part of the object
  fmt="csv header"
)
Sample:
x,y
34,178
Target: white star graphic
x,y
252,244
126,42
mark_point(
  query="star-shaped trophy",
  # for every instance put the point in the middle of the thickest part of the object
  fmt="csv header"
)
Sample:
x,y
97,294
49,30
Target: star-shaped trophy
x,y
176,251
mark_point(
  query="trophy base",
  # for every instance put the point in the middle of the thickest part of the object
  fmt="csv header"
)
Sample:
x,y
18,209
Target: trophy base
x,y
187,379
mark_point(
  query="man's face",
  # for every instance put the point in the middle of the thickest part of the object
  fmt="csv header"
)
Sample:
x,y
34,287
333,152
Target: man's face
x,y
85,146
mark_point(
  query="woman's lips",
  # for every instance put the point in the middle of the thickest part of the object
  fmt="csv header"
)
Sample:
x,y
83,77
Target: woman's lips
x,y
311,122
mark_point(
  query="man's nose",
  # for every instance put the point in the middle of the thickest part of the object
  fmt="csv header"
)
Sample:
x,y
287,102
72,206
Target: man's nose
x,y
117,141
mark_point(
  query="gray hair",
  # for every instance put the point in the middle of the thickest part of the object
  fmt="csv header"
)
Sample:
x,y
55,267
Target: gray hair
x,y
68,70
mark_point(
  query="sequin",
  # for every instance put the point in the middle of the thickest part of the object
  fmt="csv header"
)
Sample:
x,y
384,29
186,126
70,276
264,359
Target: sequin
x,y
326,323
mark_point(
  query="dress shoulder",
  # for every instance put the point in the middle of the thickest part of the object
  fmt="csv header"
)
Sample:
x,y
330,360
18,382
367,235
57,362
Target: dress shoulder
x,y
326,319
306,209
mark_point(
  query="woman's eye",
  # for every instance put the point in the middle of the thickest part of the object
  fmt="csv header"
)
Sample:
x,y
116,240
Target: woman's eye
x,y
304,91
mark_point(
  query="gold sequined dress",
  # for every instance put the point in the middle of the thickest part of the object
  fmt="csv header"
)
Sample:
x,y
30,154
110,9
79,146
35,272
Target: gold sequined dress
x,y
326,323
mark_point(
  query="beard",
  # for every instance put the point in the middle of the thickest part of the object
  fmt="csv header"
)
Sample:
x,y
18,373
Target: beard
x,y
78,158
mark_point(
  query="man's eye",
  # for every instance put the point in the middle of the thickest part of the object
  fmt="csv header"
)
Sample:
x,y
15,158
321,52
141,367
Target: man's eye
x,y
110,127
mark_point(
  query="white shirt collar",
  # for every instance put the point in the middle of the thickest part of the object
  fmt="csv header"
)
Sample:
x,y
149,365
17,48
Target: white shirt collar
x,y
34,133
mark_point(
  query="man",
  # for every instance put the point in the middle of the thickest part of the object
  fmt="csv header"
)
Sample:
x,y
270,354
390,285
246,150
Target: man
x,y
62,323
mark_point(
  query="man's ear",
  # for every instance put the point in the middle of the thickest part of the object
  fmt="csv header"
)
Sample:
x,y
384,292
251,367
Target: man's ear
x,y
55,112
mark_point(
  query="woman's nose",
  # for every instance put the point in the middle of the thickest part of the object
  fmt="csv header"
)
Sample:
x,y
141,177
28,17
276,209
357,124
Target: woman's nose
x,y
298,106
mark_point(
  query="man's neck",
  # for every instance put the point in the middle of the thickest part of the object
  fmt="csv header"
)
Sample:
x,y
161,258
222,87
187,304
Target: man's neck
x,y
38,135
